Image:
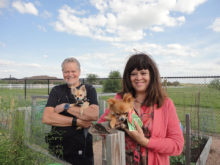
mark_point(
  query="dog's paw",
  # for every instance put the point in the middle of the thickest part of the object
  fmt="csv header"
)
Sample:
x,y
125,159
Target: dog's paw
x,y
112,124
107,118
123,126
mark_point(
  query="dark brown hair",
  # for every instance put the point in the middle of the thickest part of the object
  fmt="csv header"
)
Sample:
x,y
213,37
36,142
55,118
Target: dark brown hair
x,y
155,93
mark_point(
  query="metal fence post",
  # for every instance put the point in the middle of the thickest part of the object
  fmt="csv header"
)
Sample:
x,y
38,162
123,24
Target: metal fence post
x,y
25,89
188,140
198,113
48,85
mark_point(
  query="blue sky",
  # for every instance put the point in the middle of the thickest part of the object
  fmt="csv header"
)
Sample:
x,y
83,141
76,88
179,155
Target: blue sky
x,y
182,36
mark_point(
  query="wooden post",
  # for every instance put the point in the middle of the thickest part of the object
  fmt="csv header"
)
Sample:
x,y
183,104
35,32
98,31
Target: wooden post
x,y
113,149
27,124
11,117
104,106
188,140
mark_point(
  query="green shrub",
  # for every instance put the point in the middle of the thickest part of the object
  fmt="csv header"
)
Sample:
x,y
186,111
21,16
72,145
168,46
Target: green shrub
x,y
214,84
113,84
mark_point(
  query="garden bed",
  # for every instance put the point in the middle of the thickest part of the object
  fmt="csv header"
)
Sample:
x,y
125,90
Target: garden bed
x,y
200,147
205,148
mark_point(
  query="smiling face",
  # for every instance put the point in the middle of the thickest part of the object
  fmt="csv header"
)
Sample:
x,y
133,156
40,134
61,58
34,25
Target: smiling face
x,y
140,80
71,73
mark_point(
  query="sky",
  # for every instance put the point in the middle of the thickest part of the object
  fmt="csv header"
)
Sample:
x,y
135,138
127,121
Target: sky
x,y
182,36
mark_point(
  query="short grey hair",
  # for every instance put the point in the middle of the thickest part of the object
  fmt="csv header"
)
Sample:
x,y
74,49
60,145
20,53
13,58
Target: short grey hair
x,y
70,59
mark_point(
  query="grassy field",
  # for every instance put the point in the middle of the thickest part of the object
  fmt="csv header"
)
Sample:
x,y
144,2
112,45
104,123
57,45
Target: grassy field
x,y
184,97
202,103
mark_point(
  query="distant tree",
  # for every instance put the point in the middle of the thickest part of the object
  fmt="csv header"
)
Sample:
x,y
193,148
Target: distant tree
x,y
164,83
92,79
113,83
214,84
176,83
169,83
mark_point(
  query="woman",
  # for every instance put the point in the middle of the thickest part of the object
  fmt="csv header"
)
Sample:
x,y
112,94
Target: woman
x,y
161,135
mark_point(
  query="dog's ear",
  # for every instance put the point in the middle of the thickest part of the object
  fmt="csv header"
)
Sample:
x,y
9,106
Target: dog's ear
x,y
111,101
128,98
83,88
73,90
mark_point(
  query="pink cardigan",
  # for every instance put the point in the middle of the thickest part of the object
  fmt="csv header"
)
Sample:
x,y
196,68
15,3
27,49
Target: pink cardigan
x,y
166,136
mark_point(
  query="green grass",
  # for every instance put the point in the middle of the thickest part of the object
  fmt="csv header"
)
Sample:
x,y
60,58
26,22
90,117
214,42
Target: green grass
x,y
187,96
12,148
187,99
13,152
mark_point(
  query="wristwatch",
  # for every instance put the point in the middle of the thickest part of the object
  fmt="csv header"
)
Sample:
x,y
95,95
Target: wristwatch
x,y
66,107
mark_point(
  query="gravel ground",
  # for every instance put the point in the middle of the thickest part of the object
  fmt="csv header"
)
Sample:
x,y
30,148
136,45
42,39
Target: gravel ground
x,y
214,154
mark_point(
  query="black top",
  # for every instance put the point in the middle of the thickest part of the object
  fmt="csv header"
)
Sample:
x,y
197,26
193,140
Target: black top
x,y
62,94
68,142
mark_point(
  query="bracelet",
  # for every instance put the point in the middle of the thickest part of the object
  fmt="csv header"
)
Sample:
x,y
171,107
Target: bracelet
x,y
74,121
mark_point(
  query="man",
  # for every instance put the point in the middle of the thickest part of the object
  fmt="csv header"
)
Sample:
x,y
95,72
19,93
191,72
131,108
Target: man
x,y
65,140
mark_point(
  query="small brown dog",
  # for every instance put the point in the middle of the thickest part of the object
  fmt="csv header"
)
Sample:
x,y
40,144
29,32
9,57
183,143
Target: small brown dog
x,y
119,110
81,99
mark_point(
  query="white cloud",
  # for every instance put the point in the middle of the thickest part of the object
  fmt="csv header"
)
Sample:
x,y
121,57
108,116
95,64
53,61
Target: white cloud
x,y
187,6
157,29
4,3
100,63
46,14
45,56
24,8
120,20
5,63
41,28
2,44
179,50
169,50
22,69
216,25
33,65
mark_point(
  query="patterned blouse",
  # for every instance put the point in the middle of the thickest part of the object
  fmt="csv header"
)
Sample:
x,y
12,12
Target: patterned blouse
x,y
136,154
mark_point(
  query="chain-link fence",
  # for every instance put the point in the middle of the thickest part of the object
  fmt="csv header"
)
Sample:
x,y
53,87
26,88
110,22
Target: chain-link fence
x,y
198,96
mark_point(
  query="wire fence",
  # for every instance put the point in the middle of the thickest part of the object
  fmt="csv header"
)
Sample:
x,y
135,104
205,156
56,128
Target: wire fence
x,y
199,96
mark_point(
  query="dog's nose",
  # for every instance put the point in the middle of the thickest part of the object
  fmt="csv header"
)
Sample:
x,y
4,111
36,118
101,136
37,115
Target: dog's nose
x,y
122,119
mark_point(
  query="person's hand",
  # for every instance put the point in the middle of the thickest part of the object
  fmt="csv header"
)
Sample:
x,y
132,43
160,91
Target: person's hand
x,y
59,108
138,135
83,123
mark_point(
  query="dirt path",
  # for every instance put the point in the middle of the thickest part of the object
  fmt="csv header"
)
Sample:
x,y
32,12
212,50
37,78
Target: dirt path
x,y
214,154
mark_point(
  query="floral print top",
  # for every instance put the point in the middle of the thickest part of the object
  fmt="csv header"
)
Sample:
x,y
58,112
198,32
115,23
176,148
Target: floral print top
x,y
136,154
